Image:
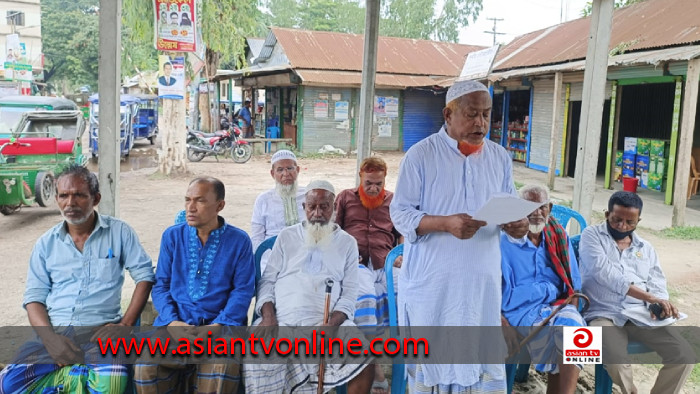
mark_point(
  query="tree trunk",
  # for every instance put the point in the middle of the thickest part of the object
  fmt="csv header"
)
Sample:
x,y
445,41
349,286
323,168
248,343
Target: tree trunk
x,y
204,112
173,154
211,65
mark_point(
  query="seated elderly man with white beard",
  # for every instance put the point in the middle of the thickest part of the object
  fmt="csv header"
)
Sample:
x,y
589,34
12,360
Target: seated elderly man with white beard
x,y
292,293
540,272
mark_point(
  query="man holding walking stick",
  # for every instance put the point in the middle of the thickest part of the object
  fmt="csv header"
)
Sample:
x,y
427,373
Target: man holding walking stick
x,y
291,293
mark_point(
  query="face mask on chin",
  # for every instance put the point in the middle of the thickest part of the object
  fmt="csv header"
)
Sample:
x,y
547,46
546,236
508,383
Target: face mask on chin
x,y
617,235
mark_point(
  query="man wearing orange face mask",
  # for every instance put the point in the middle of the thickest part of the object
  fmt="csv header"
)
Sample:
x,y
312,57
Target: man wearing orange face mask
x,y
451,273
363,212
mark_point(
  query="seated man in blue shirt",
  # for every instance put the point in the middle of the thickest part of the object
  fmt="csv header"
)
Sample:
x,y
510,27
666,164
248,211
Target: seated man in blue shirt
x,y
75,278
622,272
540,272
205,278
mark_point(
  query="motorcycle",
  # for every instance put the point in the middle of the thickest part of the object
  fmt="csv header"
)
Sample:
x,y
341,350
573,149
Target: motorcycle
x,y
222,142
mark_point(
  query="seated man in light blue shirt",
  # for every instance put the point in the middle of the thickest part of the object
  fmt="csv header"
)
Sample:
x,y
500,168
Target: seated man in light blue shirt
x,y
75,278
539,272
621,271
205,279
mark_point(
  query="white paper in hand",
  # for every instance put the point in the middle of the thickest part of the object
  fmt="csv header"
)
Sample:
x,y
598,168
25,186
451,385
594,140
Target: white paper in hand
x,y
640,316
505,208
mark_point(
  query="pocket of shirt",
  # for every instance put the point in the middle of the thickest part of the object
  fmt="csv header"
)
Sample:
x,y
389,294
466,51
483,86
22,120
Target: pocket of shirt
x,y
107,270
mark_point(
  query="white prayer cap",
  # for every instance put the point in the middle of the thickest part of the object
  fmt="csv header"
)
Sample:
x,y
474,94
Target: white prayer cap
x,y
283,155
319,184
462,88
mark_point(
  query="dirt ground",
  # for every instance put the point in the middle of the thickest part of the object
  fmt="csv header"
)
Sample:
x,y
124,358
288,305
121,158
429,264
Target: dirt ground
x,y
149,202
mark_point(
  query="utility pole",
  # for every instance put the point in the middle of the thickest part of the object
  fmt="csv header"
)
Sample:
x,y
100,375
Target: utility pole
x,y
493,31
109,78
594,79
369,70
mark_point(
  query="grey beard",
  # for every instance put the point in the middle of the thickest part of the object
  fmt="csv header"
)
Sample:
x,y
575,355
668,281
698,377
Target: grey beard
x,y
76,222
536,228
286,191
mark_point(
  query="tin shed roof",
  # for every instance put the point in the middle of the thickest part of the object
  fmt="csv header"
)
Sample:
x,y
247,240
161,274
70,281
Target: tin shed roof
x,y
320,50
651,24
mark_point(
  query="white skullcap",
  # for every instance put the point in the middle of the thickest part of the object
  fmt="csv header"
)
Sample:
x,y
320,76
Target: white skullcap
x,y
283,155
462,88
319,184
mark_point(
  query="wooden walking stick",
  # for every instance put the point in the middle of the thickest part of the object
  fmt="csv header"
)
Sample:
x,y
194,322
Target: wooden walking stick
x,y
326,317
542,325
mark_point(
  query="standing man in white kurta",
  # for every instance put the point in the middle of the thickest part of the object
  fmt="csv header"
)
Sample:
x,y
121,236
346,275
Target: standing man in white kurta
x,y
451,273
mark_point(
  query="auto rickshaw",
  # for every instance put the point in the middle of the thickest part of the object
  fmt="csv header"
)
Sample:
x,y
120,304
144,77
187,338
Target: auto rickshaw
x,y
128,109
146,123
12,108
42,144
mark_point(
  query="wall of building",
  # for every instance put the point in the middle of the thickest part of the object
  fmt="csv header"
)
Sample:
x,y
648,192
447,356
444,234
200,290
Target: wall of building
x,y
29,32
324,118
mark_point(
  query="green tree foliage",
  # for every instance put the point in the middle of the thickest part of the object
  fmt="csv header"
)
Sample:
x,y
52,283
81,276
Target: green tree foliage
x,y
421,19
69,33
588,9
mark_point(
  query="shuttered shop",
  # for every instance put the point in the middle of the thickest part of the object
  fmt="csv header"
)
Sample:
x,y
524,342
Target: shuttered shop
x,y
422,115
327,113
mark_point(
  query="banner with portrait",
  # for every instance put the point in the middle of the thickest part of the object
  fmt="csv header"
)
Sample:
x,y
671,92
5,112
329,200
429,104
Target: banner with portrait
x,y
175,25
171,77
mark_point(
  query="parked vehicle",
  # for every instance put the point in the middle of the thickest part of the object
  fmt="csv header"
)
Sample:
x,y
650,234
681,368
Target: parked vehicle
x,y
222,142
128,108
12,108
146,123
42,144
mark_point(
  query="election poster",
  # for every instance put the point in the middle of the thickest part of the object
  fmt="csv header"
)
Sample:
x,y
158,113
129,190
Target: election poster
x,y
175,25
171,77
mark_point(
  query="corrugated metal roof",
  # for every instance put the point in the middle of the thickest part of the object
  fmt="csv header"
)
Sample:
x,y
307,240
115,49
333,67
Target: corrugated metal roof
x,y
654,57
354,78
642,26
341,51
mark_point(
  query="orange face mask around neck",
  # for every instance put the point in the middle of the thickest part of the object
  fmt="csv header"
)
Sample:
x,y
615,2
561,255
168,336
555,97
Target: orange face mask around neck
x,y
467,148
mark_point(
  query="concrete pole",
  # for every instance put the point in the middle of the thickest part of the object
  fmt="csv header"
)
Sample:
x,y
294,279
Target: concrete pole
x,y
369,70
685,143
594,79
109,79
555,143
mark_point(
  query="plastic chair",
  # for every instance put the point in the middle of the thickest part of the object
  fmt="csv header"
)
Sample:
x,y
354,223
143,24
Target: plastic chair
x,y
398,369
272,132
264,247
564,214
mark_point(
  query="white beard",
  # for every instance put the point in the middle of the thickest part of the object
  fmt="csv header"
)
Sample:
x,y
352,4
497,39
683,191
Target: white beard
x,y
536,228
286,191
319,235
75,222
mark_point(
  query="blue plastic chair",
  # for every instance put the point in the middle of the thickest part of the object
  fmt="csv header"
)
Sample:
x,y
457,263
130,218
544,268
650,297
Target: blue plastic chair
x,y
398,369
264,247
564,214
271,132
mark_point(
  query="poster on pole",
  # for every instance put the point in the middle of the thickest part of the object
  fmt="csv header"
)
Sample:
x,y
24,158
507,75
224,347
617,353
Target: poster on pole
x,y
171,79
175,25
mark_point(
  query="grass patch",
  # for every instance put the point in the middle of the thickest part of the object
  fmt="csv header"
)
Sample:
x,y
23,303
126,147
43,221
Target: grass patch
x,y
684,232
695,375
518,185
